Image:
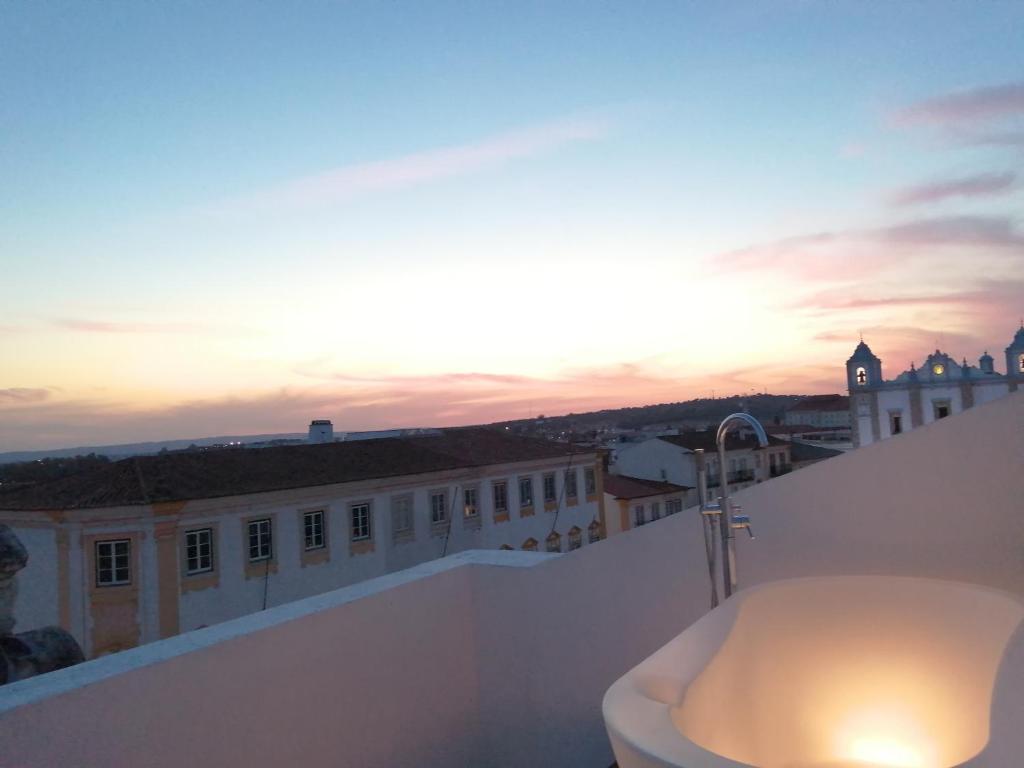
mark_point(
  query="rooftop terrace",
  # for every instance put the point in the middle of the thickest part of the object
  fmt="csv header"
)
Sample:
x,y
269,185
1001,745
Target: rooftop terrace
x,y
502,658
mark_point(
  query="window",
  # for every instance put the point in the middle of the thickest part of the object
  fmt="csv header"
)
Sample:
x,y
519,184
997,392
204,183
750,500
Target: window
x,y
438,507
360,514
530,545
655,510
199,551
261,545
638,515
550,494
113,563
941,408
672,506
862,376
570,483
589,481
525,491
594,531
895,423
1020,363
553,542
313,527
469,506
501,497
575,538
401,515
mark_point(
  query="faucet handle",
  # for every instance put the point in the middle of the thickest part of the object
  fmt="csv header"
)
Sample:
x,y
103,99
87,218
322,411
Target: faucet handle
x,y
743,521
711,509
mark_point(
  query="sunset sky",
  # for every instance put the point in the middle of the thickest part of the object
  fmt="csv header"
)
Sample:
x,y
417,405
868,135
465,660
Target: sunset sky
x,y
230,218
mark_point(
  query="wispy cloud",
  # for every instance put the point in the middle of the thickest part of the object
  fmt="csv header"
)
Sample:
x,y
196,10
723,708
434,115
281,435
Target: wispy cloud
x,y
972,105
102,326
347,182
24,395
85,325
979,185
851,254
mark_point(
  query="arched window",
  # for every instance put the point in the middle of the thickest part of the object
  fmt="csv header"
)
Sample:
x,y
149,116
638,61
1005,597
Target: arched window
x,y
1020,363
530,545
862,376
575,538
594,531
553,542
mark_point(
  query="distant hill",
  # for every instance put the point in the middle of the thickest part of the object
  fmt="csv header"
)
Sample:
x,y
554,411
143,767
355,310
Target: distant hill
x,y
766,408
141,449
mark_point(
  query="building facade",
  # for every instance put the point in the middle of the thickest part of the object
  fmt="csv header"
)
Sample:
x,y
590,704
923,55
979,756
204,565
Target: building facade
x,y
881,408
153,546
672,458
820,411
631,502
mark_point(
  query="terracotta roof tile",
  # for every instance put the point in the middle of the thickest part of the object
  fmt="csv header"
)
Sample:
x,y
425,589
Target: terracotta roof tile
x,y
626,487
186,475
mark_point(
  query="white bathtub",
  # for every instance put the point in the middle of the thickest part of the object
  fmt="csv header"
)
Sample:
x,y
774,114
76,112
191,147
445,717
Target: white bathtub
x,y
832,672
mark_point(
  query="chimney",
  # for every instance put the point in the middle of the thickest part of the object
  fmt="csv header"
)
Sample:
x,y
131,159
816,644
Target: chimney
x,y
321,431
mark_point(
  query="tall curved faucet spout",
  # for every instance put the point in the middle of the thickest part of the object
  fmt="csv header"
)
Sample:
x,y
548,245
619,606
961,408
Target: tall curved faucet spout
x,y
726,517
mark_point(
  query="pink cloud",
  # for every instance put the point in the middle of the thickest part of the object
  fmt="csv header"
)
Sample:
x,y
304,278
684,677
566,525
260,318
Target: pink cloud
x,y
351,181
973,105
980,185
854,254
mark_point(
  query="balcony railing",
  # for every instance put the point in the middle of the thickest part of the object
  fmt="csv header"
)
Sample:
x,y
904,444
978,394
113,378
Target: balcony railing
x,y
739,476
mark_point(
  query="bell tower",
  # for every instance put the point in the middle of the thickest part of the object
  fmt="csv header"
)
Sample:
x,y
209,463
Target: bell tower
x,y
863,369
1015,360
863,375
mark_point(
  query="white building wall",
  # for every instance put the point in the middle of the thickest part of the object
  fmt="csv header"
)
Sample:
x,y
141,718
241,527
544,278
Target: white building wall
x,y
36,605
658,460
985,392
237,596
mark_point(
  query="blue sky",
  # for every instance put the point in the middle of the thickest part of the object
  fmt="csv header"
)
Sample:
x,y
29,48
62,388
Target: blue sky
x,y
209,209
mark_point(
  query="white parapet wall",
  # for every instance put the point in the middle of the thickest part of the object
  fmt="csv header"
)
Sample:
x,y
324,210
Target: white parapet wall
x,y
502,658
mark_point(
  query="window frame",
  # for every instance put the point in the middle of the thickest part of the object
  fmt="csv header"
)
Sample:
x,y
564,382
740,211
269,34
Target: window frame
x,y
571,483
525,500
98,558
503,485
269,557
546,478
590,481
409,514
466,491
367,524
441,493
638,515
211,554
306,517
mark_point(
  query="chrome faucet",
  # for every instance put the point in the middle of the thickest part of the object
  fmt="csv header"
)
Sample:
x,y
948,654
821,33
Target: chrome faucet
x,y
728,522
